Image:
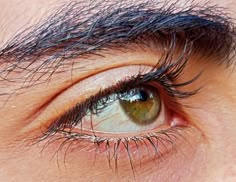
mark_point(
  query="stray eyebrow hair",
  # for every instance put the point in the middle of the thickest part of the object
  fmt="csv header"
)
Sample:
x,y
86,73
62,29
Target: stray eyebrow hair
x,y
77,30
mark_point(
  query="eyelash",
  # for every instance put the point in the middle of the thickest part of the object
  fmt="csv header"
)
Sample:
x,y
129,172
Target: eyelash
x,y
164,75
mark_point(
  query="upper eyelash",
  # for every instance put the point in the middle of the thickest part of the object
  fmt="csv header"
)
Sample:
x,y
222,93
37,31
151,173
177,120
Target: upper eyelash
x,y
164,74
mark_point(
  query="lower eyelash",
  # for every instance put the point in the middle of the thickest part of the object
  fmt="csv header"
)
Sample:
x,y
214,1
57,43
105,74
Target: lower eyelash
x,y
160,143
157,145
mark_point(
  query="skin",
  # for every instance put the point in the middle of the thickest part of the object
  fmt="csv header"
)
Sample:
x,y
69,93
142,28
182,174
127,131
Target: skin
x,y
208,155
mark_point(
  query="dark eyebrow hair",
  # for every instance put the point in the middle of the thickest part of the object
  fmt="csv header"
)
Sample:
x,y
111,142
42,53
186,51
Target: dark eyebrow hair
x,y
76,31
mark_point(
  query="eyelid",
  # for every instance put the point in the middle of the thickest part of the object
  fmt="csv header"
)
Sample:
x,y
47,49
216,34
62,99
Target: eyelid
x,y
161,75
113,76
109,79
87,87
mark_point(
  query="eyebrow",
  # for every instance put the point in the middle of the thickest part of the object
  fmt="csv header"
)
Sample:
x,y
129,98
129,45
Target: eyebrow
x,y
75,31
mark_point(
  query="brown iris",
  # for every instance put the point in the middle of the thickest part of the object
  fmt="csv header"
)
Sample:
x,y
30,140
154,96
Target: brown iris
x,y
142,104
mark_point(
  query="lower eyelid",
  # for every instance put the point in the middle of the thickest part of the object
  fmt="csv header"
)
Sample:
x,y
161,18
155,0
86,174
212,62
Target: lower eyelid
x,y
146,148
180,141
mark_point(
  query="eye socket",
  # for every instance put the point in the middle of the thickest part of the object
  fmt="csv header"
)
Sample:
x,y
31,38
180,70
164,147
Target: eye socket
x,y
122,114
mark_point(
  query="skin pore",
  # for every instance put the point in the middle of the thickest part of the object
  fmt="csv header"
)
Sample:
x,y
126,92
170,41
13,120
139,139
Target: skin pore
x,y
202,148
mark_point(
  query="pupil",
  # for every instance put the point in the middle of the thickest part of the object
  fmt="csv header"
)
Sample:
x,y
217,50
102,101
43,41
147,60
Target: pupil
x,y
143,96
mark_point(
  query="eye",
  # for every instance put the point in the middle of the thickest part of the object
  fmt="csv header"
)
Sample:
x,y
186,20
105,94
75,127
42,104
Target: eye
x,y
123,112
136,110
